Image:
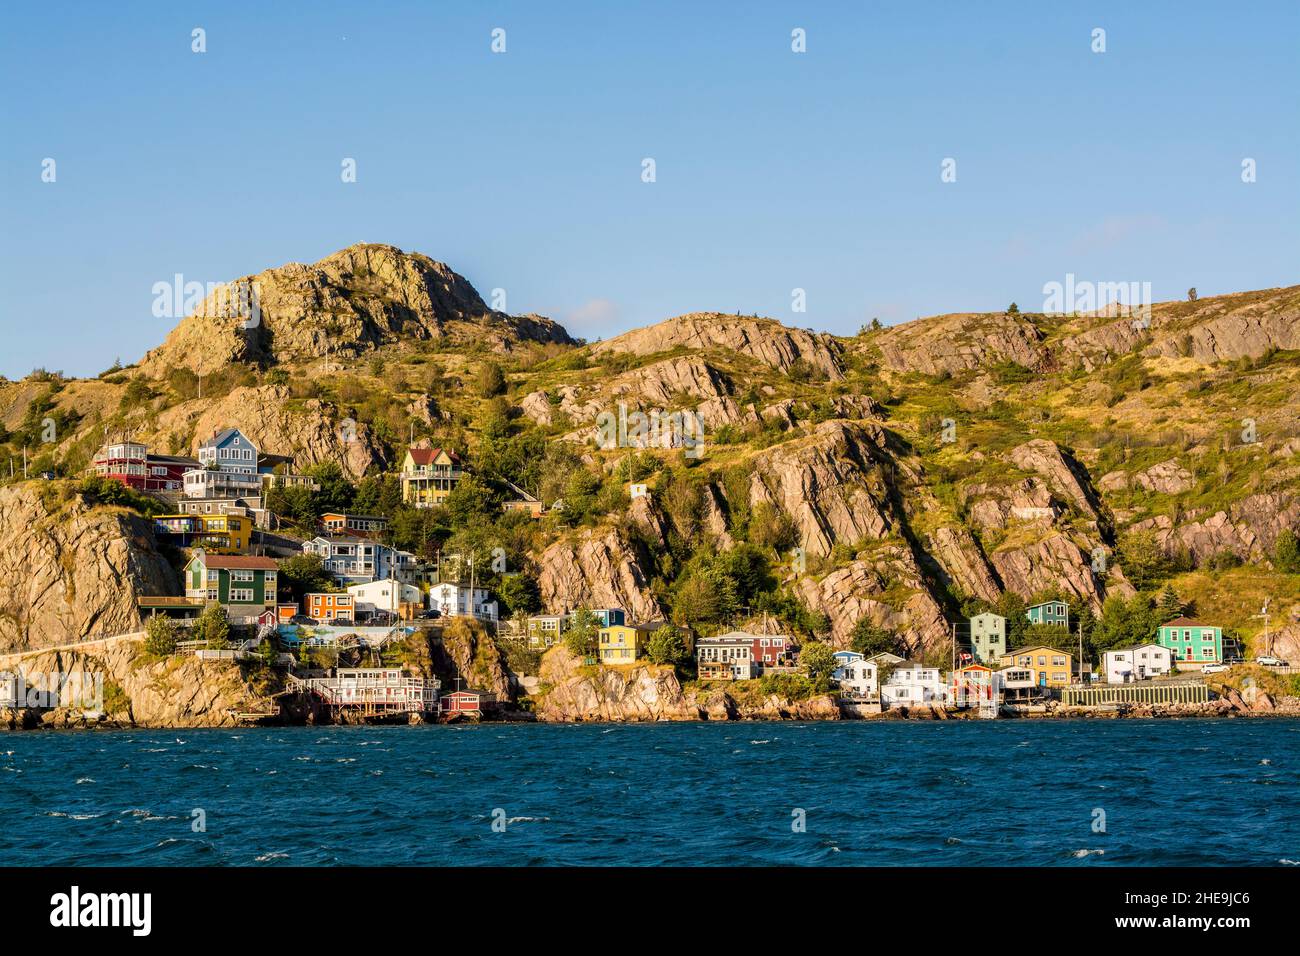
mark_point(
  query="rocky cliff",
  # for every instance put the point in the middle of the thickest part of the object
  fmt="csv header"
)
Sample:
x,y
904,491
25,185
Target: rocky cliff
x,y
765,340
650,692
71,569
141,691
348,303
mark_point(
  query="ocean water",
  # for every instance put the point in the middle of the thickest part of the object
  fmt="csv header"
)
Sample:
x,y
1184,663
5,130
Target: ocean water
x,y
1188,792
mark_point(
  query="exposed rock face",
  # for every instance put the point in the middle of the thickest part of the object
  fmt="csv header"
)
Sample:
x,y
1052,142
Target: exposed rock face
x,y
959,556
346,304
673,385
597,569
650,692
172,692
1246,333
640,692
763,339
312,431
1055,562
955,343
831,484
1247,528
858,591
994,507
1094,347
469,652
1167,478
70,570
1063,475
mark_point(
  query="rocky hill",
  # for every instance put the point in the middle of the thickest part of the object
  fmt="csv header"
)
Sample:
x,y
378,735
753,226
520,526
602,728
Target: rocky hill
x,y
893,477
347,304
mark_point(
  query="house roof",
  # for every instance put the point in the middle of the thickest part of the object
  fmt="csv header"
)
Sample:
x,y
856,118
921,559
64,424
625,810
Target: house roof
x,y
348,515
892,658
1134,647
172,460
237,562
1186,622
221,437
1042,604
425,456
1036,647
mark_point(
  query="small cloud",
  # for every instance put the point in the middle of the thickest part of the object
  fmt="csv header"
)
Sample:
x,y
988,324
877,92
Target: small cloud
x,y
596,317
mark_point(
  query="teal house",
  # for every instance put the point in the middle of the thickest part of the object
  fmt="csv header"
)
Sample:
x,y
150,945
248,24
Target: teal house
x,y
247,587
988,637
1049,612
1191,642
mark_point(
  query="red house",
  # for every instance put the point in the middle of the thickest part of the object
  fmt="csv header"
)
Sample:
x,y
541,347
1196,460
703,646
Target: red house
x,y
768,650
468,703
131,463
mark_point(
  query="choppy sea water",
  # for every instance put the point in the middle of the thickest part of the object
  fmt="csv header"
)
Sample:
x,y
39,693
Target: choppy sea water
x,y
1188,792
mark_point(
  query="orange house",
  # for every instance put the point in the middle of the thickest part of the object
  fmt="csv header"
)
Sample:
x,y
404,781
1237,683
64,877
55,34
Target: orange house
x,y
325,607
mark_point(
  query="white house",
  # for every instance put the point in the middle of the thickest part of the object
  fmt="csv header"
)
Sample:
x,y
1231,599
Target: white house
x,y
457,600
856,676
638,489
1018,683
1126,664
912,684
385,595
227,468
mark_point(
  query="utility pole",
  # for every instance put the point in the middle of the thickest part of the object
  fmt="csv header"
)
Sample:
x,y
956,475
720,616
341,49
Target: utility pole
x,y
1268,644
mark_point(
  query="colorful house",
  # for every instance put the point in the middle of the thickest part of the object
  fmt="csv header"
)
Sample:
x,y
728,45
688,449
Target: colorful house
x,y
1049,612
624,643
605,616
464,703
545,629
342,523
975,684
1191,643
225,532
132,464
1051,667
327,606
245,586
988,637
429,475
227,468
728,657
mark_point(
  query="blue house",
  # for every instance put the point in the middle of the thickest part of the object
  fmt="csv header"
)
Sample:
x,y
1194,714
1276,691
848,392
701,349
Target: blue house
x,y
605,616
1049,612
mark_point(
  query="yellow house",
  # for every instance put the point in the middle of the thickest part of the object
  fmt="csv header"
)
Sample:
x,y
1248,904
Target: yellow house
x,y
1050,666
624,643
429,475
223,532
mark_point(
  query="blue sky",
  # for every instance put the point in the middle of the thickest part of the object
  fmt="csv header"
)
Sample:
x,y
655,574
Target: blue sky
x,y
522,170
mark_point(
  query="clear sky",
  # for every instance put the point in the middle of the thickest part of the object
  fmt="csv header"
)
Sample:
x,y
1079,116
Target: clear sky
x,y
523,170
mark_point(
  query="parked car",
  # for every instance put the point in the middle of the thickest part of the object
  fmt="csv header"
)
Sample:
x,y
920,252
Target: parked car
x,y
1271,662
1214,668
343,622
302,619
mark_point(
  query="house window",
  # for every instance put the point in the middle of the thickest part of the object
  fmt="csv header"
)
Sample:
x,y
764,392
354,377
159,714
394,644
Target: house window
x,y
241,595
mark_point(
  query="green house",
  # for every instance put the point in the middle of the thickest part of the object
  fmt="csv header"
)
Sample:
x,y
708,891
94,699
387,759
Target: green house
x,y
1191,642
1049,612
988,637
245,586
